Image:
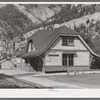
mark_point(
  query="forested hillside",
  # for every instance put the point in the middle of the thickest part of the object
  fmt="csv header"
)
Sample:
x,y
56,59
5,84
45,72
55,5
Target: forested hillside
x,y
20,19
70,12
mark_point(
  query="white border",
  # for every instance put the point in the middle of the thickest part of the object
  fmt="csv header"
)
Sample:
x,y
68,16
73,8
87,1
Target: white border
x,y
49,2
43,93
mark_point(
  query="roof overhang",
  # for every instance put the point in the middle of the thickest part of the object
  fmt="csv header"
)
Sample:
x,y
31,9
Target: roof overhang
x,y
69,52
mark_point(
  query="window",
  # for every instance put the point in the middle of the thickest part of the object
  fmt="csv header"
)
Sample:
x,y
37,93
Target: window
x,y
67,59
70,59
68,41
31,46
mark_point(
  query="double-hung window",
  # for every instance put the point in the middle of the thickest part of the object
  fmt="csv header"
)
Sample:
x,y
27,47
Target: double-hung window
x,y
67,41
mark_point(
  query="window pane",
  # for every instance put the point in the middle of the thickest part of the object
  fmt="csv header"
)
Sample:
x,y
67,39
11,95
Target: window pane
x,y
64,41
64,60
71,42
70,59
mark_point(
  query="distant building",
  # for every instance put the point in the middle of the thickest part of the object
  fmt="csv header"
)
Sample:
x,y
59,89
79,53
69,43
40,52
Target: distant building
x,y
6,64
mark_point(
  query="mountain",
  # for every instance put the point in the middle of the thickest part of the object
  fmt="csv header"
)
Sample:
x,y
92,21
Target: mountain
x,y
38,13
17,19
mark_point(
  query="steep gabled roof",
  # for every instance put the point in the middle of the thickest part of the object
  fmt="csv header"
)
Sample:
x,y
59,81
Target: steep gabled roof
x,y
43,38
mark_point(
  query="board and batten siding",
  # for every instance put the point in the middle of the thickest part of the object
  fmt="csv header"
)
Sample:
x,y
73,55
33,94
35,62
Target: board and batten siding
x,y
81,57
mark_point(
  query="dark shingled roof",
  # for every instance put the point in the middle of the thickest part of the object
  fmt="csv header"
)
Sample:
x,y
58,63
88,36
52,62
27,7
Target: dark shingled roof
x,y
43,38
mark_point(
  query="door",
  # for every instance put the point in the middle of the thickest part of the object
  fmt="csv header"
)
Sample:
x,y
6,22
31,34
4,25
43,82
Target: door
x,y
40,64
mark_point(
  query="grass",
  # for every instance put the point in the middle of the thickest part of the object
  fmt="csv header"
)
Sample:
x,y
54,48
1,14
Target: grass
x,y
10,82
4,83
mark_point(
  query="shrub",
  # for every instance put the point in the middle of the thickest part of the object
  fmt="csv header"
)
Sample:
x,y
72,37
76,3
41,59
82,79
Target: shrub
x,y
95,63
